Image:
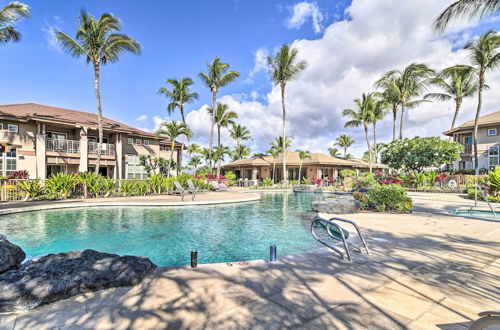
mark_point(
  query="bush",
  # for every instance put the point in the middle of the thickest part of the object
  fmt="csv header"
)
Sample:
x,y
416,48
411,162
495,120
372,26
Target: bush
x,y
366,181
231,178
306,181
391,197
346,173
494,181
31,188
61,185
21,174
267,182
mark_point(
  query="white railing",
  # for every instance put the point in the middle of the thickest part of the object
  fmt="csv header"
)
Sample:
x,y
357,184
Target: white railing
x,y
107,149
60,145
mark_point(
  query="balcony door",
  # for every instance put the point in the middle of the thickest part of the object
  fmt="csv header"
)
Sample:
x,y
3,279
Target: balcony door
x,y
57,136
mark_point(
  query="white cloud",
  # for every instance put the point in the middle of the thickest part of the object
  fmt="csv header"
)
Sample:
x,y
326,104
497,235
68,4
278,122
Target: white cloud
x,y
261,55
344,63
142,118
303,11
49,29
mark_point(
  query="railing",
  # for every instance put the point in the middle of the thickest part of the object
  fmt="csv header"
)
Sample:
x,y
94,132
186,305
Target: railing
x,y
60,145
107,149
468,148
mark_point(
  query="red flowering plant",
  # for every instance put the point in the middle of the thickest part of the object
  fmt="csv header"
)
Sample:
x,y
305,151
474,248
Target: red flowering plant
x,y
379,175
440,178
362,198
317,181
211,177
391,181
330,179
19,175
221,179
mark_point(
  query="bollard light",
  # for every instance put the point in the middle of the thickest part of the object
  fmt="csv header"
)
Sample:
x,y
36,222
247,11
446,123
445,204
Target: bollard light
x,y
194,258
272,253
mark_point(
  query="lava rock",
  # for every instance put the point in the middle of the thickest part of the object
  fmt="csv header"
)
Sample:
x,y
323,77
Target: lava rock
x,y
340,204
11,255
59,276
304,188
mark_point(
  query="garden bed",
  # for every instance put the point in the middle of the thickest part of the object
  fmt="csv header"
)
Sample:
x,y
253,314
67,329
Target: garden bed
x,y
438,191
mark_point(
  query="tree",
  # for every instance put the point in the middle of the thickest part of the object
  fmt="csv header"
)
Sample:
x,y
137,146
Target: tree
x,y
240,152
173,130
223,118
274,153
334,152
409,83
390,95
283,69
194,162
239,133
456,83
100,43
413,155
218,75
279,145
484,54
9,15
219,155
362,116
179,96
207,155
344,141
194,148
303,155
466,10
379,112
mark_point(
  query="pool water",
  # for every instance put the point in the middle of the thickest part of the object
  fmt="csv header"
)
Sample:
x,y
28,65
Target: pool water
x,y
478,213
166,235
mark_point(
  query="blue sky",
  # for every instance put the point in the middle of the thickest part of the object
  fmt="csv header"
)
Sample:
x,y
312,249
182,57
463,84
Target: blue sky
x,y
347,45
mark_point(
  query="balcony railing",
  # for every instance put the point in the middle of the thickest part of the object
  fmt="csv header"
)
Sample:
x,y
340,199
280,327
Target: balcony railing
x,y
66,146
107,149
468,148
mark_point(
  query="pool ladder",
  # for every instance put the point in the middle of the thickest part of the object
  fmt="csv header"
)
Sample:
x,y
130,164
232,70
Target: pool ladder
x,y
331,223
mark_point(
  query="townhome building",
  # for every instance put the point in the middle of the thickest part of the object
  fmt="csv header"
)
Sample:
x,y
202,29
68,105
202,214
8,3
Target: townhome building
x,y
488,142
44,140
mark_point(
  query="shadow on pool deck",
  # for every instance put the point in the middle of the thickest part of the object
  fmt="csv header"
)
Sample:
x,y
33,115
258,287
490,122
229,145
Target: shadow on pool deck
x,y
410,281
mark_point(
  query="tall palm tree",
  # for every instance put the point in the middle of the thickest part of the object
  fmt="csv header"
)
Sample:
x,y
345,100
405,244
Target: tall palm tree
x,y
390,94
362,116
239,133
274,153
179,95
194,162
284,68
334,152
484,54
223,118
379,112
466,10
240,152
100,42
457,83
218,75
208,156
9,15
173,130
194,148
279,145
410,82
219,154
344,141
303,155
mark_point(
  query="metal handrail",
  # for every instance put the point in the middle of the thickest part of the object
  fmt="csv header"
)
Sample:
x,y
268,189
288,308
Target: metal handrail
x,y
330,222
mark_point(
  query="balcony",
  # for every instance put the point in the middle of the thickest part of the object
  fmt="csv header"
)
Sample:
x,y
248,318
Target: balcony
x,y
107,149
468,148
64,146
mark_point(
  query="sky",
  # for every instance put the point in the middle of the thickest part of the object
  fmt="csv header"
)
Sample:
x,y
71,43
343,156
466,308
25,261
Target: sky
x,y
347,45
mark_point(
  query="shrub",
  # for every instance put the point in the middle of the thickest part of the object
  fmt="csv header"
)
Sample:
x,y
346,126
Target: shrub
x,y
306,181
109,186
294,182
346,173
267,182
31,188
366,181
391,181
93,181
391,197
18,175
362,198
61,185
156,182
494,181
317,181
231,178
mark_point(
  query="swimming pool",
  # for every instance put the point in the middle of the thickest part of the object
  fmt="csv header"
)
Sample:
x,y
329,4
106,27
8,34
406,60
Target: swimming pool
x,y
166,235
477,213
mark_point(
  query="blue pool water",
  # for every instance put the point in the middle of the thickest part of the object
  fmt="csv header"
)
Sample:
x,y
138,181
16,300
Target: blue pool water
x,y
167,235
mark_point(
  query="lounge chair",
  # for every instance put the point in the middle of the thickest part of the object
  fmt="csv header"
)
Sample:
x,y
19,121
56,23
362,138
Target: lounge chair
x,y
191,186
215,185
181,191
223,187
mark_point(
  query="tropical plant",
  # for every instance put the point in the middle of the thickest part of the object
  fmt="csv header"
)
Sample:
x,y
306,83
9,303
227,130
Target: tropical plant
x,y
194,162
108,186
231,178
240,152
347,173
239,133
456,83
303,155
466,10
194,148
9,15
484,54
91,181
223,117
362,116
100,42
267,182
306,181
208,156
173,130
344,141
218,75
278,144
408,83
334,152
156,182
494,181
391,96
149,163
19,175
61,185
379,111
219,155
179,95
284,68
31,188
392,197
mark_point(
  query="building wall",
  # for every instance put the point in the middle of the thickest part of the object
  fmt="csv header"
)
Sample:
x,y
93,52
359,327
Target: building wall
x,y
484,140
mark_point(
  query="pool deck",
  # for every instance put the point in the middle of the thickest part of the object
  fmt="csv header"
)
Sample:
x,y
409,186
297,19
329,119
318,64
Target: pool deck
x,y
429,270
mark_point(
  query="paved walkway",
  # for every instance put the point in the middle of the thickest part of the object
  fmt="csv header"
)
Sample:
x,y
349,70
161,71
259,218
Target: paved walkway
x,y
428,270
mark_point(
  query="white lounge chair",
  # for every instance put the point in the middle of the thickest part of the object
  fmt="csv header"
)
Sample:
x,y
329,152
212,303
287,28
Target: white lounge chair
x,y
181,191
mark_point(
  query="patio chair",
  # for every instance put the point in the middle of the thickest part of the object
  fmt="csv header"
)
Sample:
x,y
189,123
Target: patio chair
x,y
191,186
223,187
182,192
215,185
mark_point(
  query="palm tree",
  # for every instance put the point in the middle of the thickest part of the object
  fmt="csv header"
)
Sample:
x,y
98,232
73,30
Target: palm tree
x,y
334,152
100,43
274,153
457,83
219,155
223,118
240,152
283,69
207,155
239,133
344,141
408,83
390,94
194,162
362,116
302,156
173,130
466,9
379,112
179,96
279,145
217,76
194,148
485,56
9,15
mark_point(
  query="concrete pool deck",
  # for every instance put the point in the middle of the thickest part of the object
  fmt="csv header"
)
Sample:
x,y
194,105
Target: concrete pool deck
x,y
428,270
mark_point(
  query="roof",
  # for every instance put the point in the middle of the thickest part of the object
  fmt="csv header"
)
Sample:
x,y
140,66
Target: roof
x,y
486,120
50,114
292,158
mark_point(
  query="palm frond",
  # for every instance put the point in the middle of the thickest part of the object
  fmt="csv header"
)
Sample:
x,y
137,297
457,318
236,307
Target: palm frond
x,y
465,10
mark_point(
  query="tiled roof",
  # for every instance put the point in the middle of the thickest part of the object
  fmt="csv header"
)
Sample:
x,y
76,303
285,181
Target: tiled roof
x,y
486,120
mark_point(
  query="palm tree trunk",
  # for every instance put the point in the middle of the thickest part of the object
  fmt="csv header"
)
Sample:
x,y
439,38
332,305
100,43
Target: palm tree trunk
x,y
218,145
181,109
458,103
99,114
375,150
283,133
345,152
394,120
274,170
300,172
476,121
369,147
211,139
402,122
171,158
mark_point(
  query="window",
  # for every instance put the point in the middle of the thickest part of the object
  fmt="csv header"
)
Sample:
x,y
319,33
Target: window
x,y
138,141
163,148
13,128
130,141
492,131
1,126
10,161
146,142
493,156
134,168
96,139
57,136
468,140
